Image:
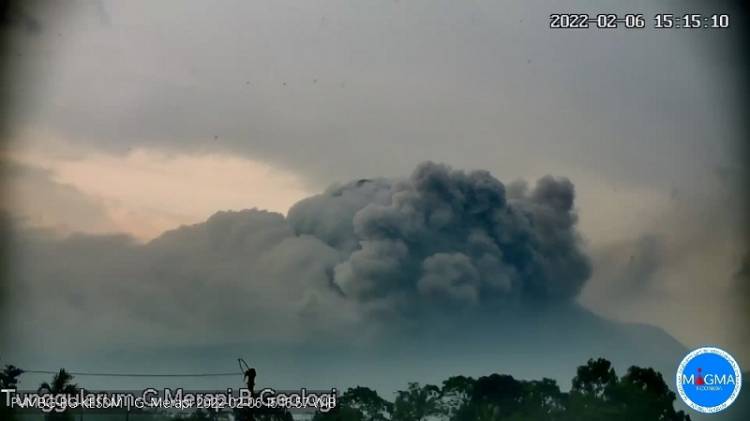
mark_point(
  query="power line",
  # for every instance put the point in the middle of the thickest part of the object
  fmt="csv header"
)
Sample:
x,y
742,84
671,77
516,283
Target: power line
x,y
91,374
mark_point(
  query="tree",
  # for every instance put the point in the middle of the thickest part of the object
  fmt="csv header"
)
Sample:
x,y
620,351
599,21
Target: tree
x,y
541,400
456,392
494,397
595,379
368,402
416,403
9,376
591,395
642,394
8,380
61,384
358,404
597,394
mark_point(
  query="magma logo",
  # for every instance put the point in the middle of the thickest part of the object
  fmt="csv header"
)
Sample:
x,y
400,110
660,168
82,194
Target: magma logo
x,y
709,380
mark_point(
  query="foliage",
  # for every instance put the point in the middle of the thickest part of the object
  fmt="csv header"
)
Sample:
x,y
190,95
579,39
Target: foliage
x,y
61,383
597,394
8,380
417,403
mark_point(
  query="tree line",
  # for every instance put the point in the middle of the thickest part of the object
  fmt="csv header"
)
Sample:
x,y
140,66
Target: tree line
x,y
597,393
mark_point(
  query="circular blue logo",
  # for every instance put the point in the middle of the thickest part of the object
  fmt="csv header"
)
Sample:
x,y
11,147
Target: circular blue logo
x,y
709,380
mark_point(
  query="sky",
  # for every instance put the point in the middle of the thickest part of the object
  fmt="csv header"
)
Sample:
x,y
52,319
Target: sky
x,y
126,120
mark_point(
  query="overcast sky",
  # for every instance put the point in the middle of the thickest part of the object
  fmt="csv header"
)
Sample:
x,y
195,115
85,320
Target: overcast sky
x,y
138,117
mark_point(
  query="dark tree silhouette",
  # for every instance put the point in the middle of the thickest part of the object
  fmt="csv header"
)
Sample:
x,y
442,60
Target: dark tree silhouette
x,y
61,383
368,402
9,376
358,403
455,393
595,379
597,394
8,380
643,394
494,397
592,391
417,403
541,400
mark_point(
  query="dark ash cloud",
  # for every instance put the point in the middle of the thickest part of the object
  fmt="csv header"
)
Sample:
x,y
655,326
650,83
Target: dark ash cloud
x,y
448,236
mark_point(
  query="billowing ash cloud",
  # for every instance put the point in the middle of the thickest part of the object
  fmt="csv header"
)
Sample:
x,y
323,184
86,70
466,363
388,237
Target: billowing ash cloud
x,y
439,240
448,237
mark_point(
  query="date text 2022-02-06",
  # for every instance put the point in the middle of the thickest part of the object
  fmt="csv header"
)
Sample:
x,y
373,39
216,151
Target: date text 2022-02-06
x,y
639,21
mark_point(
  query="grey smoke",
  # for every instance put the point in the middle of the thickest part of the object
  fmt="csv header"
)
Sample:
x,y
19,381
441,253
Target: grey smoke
x,y
448,237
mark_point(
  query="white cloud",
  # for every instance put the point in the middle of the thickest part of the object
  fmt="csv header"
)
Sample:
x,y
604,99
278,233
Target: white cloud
x,y
146,191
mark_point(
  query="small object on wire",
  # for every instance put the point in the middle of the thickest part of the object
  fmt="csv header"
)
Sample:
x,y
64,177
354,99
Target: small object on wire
x,y
244,366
